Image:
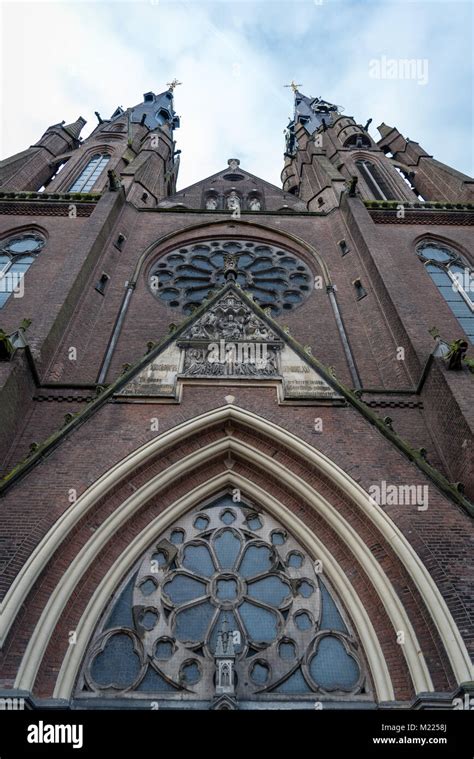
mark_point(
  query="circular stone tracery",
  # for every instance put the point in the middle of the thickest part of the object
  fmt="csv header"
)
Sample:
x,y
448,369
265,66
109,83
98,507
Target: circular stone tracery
x,y
227,590
276,278
205,576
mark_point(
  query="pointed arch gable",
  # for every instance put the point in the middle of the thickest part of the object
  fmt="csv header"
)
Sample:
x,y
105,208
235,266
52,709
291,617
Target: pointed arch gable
x,y
39,641
382,586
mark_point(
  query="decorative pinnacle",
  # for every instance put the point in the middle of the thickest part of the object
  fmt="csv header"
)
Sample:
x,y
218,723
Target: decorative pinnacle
x,y
293,85
230,267
173,84
225,625
230,261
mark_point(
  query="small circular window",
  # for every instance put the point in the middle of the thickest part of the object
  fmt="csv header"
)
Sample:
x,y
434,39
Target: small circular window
x,y
276,278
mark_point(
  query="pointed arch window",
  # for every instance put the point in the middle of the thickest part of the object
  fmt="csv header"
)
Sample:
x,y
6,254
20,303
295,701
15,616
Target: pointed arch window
x,y
375,180
88,177
226,601
454,278
16,256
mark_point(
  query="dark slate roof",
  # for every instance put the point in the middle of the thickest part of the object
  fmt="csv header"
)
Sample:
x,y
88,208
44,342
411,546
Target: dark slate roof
x,y
310,112
158,109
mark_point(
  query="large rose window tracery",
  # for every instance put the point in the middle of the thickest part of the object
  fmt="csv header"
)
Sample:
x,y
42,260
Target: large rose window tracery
x,y
225,567
276,278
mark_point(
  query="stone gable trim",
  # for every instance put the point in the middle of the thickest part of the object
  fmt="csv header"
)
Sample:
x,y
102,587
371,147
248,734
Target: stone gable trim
x,y
106,394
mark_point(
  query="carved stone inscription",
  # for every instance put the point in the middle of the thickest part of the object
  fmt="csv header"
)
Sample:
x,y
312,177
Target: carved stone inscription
x,y
159,377
300,380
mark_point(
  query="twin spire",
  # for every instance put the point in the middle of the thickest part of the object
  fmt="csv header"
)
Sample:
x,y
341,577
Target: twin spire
x,y
156,110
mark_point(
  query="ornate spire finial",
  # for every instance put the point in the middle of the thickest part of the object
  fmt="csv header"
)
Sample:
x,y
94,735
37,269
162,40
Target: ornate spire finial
x,y
225,624
173,84
230,267
293,85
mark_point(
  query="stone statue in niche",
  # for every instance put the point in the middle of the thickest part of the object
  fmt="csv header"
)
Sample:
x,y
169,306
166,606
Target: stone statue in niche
x,y
254,204
233,201
211,203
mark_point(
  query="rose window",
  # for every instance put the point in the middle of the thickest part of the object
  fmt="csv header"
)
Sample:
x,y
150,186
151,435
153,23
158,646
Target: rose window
x,y
225,572
275,278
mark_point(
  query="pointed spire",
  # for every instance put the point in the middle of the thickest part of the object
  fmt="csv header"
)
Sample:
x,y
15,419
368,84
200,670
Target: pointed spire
x,y
384,130
311,112
75,128
225,641
156,110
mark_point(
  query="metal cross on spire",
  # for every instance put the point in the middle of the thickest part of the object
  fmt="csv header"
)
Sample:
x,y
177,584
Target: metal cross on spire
x,y
293,85
173,84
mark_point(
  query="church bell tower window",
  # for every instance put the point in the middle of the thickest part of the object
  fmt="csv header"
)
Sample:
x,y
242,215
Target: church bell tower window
x,y
88,177
375,181
454,279
16,256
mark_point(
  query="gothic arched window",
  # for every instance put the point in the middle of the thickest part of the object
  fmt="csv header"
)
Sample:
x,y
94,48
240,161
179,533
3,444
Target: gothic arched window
x,y
16,256
454,279
276,278
375,181
88,177
226,601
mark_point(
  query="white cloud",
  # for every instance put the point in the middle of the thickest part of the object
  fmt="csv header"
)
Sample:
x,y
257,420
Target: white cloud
x,y
72,58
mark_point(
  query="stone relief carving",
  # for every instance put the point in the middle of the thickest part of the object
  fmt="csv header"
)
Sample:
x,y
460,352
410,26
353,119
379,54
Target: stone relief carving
x,y
211,203
229,339
230,319
231,359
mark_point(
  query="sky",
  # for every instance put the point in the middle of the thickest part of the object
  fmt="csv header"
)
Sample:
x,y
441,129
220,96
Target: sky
x,y
68,58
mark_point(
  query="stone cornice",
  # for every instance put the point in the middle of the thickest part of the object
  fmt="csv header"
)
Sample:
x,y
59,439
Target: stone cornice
x,y
47,204
388,212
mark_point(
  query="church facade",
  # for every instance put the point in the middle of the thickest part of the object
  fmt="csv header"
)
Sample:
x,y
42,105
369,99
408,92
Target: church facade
x,y
236,422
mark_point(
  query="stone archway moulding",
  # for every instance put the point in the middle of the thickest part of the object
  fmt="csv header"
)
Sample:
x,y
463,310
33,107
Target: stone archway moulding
x,y
90,617
445,624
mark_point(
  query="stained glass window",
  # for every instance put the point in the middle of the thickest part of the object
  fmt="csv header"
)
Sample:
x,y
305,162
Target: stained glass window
x,y
375,180
88,177
16,256
276,278
454,278
163,632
